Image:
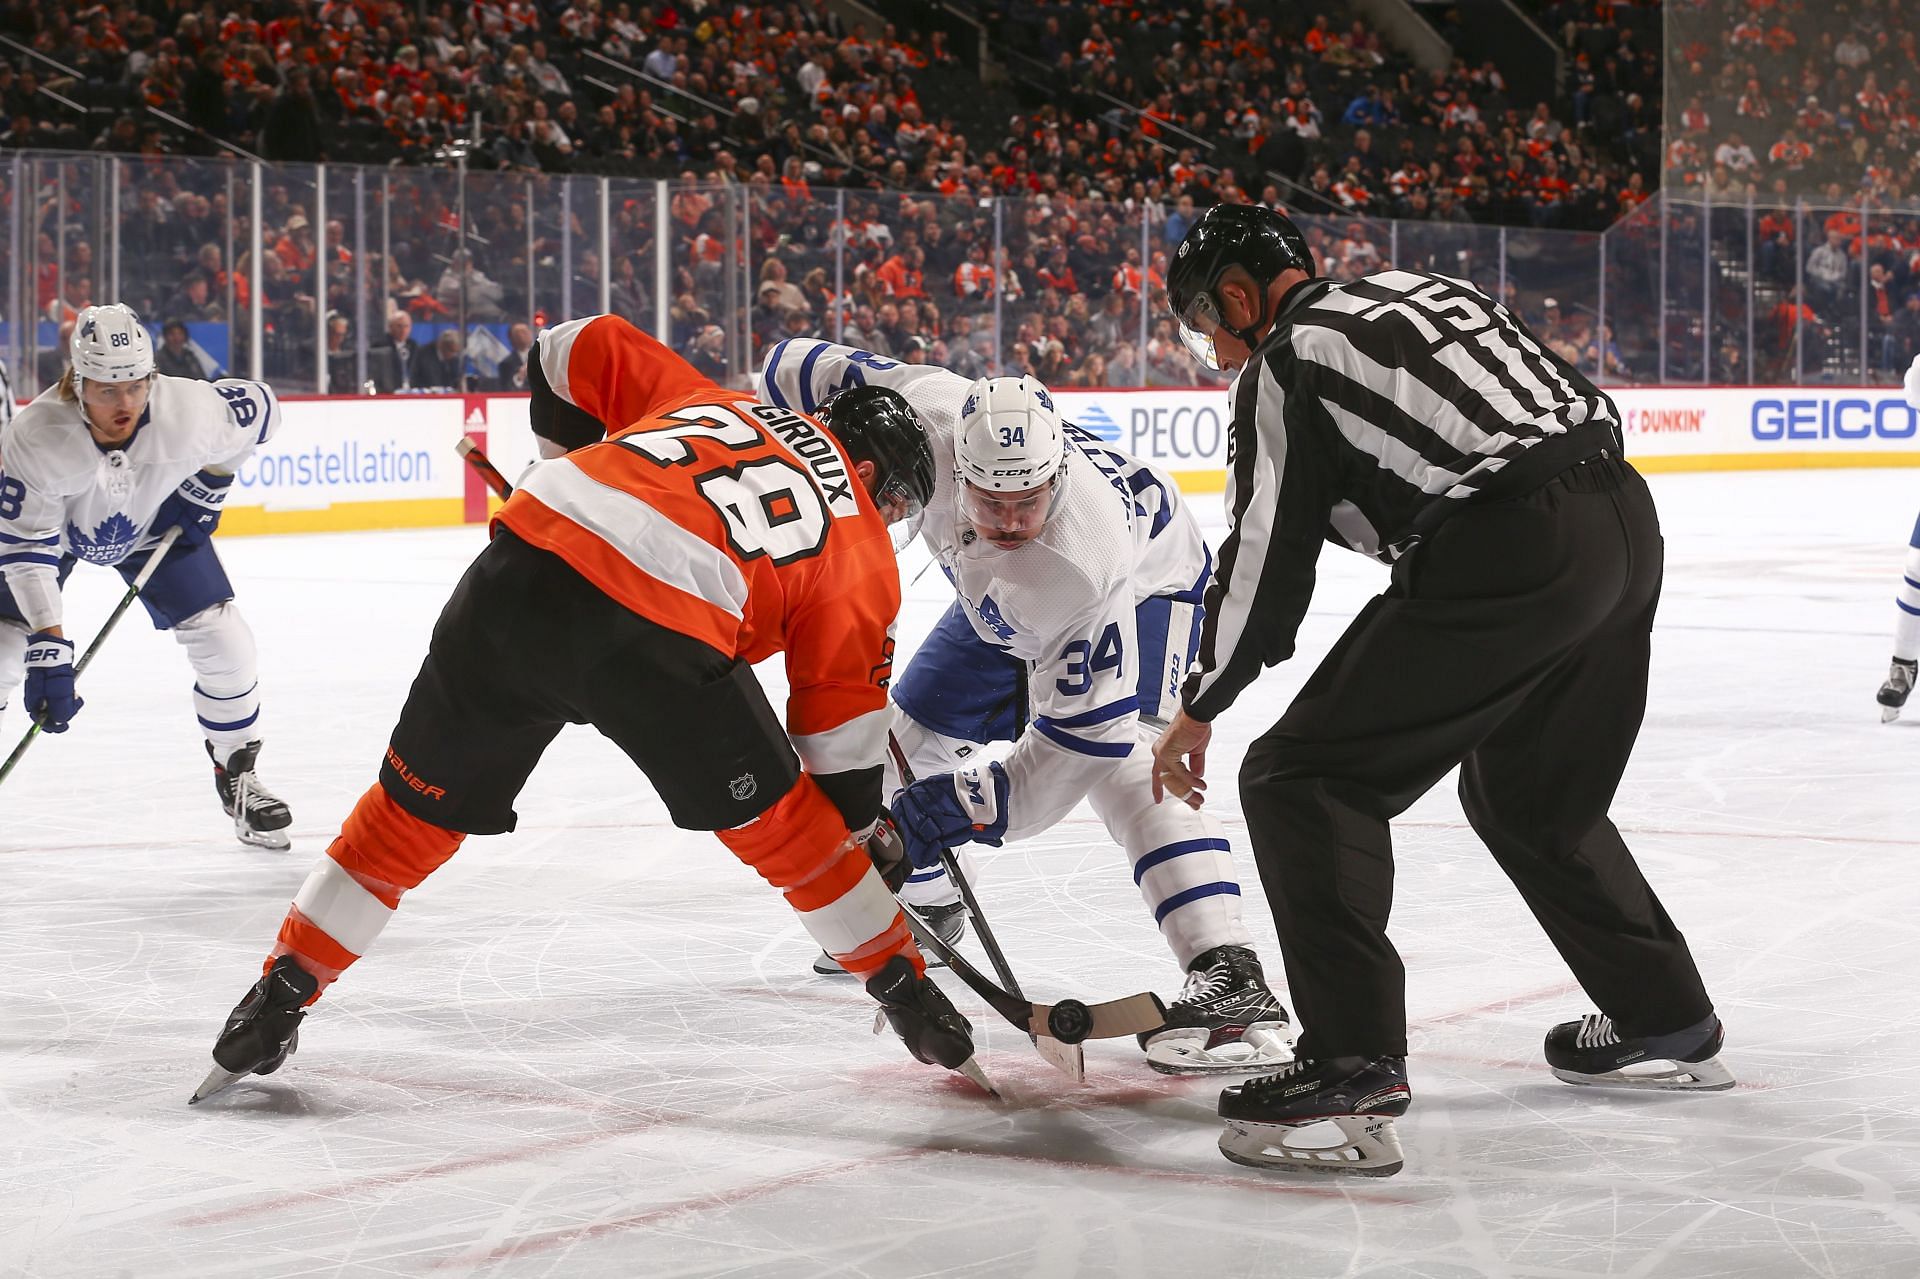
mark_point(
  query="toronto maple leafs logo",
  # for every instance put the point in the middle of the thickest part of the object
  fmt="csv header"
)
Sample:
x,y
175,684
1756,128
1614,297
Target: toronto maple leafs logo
x,y
1040,393
973,402
110,541
990,614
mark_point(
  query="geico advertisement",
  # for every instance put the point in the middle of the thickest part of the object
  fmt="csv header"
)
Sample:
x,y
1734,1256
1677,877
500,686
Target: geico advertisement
x,y
1180,430
1763,421
329,451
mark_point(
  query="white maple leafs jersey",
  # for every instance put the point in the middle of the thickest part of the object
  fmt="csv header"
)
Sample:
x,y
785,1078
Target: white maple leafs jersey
x,y
1063,602
60,493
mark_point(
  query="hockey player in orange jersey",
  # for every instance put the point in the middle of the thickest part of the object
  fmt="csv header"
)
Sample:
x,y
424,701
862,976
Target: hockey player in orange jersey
x,y
647,572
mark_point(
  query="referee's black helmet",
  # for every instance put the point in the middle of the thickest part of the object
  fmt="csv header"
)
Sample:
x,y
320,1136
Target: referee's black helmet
x,y
1258,240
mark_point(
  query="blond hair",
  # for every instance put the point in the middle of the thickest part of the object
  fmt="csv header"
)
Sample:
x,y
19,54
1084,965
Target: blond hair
x,y
69,385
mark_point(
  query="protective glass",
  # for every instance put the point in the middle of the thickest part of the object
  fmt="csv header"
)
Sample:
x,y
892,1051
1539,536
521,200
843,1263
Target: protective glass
x,y
896,502
1008,518
1198,324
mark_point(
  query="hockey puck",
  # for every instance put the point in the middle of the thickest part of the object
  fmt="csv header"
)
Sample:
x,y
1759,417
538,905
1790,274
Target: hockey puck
x,y
1069,1021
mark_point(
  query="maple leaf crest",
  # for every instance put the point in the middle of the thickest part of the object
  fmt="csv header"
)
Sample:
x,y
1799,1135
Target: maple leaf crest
x,y
110,542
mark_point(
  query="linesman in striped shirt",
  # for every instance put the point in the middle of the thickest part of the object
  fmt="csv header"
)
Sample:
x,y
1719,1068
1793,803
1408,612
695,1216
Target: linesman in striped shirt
x,y
1414,419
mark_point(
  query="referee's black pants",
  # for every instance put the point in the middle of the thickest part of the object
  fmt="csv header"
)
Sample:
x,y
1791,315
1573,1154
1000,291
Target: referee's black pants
x,y
1515,644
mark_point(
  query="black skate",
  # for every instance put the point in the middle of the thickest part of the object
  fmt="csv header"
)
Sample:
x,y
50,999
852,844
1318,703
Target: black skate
x,y
1225,1020
949,924
1893,694
1593,1051
263,1029
933,1030
1320,1116
259,816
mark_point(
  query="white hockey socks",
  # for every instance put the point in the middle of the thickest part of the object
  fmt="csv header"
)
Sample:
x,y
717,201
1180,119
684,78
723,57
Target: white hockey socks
x,y
1181,861
1906,627
226,686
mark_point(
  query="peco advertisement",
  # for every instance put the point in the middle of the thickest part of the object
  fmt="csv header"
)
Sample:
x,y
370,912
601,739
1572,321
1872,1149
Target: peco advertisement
x,y
390,463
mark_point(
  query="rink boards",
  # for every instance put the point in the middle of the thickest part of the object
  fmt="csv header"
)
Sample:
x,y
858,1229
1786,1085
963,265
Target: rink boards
x,y
356,463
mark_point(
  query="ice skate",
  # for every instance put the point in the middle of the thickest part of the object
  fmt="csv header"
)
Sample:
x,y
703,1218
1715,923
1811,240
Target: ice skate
x,y
919,1012
949,924
1332,1116
1225,1020
1893,693
260,817
1593,1051
263,1029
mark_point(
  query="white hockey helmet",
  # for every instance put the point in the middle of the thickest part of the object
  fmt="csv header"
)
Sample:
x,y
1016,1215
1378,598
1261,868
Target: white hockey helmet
x,y
1010,457
110,344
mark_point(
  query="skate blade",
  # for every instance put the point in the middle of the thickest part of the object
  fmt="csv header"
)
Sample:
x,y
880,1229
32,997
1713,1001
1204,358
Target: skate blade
x,y
1888,714
275,840
1668,1076
1367,1146
1264,1048
1069,1059
970,1068
218,1080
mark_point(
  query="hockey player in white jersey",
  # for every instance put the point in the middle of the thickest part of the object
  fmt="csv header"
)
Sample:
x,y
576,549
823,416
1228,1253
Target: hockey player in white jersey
x,y
1079,574
1901,675
97,468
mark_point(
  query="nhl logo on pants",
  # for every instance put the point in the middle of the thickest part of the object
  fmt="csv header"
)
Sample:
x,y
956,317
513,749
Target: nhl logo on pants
x,y
743,787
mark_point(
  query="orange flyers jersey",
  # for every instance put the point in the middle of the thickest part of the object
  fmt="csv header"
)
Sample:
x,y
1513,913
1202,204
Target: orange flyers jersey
x,y
735,523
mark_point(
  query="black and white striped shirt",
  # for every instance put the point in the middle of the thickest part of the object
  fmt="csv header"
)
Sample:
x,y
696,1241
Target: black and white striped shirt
x,y
1371,411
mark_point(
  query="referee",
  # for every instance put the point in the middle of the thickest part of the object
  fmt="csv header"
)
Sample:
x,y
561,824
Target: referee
x,y
1413,419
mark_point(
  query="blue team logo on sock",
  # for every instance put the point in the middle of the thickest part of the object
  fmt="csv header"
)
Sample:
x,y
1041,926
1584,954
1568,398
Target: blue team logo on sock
x,y
110,541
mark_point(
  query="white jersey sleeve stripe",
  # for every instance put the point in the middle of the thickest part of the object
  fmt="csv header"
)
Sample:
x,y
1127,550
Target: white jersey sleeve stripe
x,y
649,540
855,744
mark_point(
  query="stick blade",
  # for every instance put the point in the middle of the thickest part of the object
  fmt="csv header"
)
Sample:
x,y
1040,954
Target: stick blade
x,y
1069,1059
1115,1019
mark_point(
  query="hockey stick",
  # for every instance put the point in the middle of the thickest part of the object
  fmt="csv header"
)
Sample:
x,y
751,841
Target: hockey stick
x,y
473,456
1058,1043
1063,1055
1067,1022
113,619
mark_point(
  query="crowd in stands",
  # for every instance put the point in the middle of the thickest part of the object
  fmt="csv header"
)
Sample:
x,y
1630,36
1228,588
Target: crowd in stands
x,y
1256,90
759,111
1785,102
829,180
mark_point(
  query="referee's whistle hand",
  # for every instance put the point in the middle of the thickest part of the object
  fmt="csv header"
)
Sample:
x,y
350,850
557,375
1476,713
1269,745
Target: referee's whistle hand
x,y
1180,761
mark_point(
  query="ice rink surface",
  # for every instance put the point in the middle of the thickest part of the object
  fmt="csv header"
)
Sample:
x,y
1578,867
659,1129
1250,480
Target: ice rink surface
x,y
594,1048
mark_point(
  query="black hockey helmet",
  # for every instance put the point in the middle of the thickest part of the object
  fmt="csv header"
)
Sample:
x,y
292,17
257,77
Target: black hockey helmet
x,y
1260,241
877,425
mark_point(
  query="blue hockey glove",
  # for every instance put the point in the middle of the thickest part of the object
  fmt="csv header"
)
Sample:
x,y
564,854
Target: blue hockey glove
x,y
49,696
969,806
195,506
